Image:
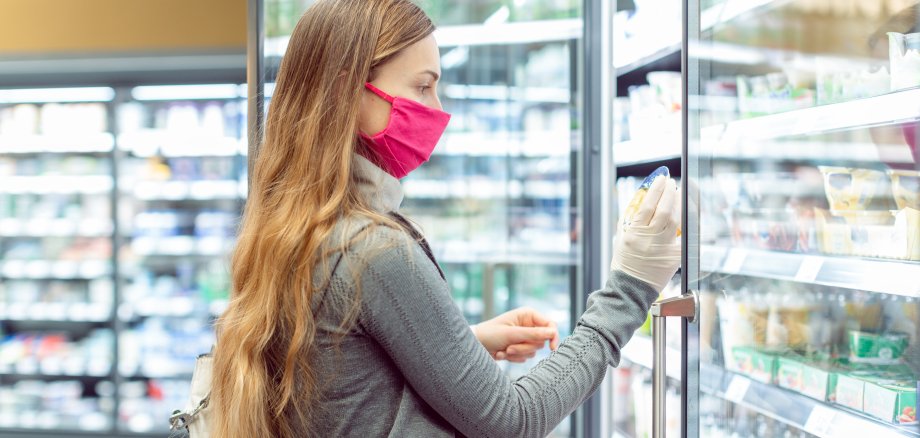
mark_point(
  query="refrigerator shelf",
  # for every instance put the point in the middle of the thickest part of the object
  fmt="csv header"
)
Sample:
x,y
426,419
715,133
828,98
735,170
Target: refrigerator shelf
x,y
162,143
57,144
810,415
55,269
813,416
37,227
887,109
635,152
57,313
54,376
205,190
538,144
635,55
56,184
486,189
181,246
875,275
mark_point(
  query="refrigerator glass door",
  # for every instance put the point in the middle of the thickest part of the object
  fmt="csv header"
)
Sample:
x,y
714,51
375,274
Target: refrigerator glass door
x,y
804,225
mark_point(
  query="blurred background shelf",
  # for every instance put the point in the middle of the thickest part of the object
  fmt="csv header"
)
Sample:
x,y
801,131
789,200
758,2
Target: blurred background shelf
x,y
56,184
876,275
41,227
49,269
56,144
189,190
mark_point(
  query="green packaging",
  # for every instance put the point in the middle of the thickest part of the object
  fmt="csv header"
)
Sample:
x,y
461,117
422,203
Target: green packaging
x,y
895,402
849,391
816,379
876,348
756,364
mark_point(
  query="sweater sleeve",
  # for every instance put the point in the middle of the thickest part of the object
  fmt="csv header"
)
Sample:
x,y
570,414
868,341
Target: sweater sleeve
x,y
407,308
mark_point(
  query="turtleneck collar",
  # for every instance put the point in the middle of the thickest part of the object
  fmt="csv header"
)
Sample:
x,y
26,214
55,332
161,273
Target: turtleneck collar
x,y
381,190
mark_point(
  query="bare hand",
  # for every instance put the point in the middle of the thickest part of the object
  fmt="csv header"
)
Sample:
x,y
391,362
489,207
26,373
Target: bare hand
x,y
517,335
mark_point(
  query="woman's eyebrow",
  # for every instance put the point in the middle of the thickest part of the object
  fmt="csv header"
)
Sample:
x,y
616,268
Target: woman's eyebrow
x,y
433,74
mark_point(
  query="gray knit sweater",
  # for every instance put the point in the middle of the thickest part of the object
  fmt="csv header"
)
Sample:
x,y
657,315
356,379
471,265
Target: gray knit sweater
x,y
411,367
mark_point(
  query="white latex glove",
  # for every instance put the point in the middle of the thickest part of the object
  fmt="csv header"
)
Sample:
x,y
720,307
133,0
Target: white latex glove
x,y
649,248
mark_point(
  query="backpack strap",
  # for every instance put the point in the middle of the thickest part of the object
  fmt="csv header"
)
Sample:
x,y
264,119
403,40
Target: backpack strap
x,y
414,233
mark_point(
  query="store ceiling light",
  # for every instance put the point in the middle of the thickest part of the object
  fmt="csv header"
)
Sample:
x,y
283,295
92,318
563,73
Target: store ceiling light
x,y
186,92
40,95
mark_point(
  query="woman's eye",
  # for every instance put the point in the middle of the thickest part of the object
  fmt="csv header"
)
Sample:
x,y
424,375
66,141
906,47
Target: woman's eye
x,y
423,89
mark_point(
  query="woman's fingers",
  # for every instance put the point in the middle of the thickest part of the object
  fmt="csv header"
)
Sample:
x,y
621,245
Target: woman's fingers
x,y
664,212
650,203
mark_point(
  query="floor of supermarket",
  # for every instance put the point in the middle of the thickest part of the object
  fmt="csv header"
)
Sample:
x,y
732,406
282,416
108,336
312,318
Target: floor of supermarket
x,y
129,132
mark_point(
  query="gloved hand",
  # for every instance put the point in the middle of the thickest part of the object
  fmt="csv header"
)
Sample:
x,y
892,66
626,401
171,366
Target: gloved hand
x,y
648,247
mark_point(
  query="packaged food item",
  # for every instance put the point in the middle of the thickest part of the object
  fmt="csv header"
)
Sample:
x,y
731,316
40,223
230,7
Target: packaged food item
x,y
788,323
904,55
897,239
743,323
850,389
636,202
772,229
892,401
814,376
852,189
872,348
905,186
757,364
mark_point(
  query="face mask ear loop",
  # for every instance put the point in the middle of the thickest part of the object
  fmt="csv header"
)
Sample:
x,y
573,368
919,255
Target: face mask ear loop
x,y
379,92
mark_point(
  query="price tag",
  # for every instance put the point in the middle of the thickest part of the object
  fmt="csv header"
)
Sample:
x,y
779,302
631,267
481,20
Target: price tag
x,y
737,389
820,420
809,268
734,260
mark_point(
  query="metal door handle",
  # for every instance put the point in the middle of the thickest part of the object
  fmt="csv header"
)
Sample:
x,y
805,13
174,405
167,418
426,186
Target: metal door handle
x,y
684,306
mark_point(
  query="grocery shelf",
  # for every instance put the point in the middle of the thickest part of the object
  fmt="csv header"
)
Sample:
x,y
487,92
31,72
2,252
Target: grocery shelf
x,y
637,54
458,252
81,313
53,376
48,143
486,189
189,190
887,109
501,144
634,152
164,143
39,227
857,153
53,269
56,184
813,416
508,93
181,246
875,275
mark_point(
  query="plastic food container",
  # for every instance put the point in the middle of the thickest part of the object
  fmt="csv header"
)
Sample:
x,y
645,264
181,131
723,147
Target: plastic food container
x,y
852,189
905,186
899,239
874,348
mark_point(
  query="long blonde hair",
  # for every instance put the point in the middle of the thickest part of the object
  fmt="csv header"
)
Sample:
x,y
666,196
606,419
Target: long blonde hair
x,y
302,184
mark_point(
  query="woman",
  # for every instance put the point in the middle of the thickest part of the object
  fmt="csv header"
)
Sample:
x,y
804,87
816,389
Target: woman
x,y
341,323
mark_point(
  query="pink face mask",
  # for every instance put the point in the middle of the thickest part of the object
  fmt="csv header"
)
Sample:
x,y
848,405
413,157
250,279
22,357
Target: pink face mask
x,y
410,136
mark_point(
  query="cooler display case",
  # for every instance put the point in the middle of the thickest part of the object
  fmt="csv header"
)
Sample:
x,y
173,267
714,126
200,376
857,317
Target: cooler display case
x,y
800,175
117,210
